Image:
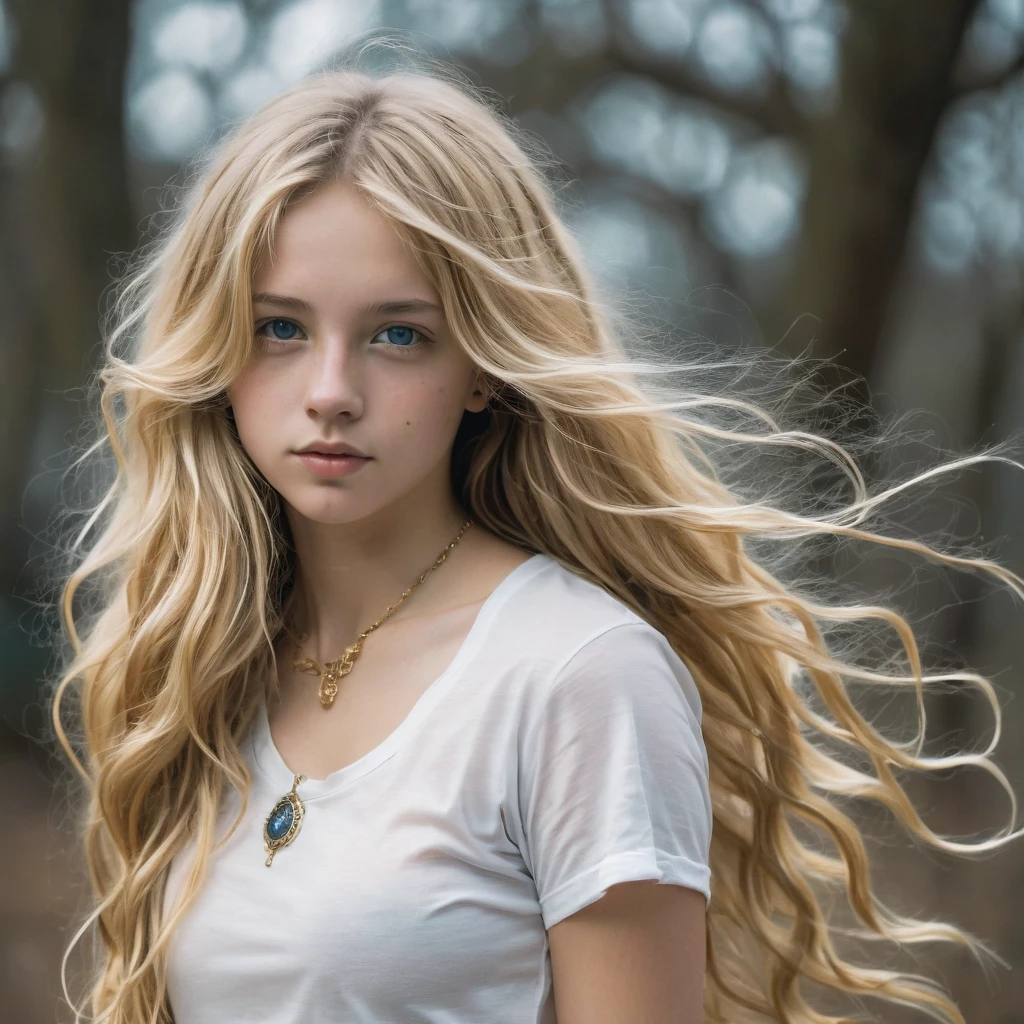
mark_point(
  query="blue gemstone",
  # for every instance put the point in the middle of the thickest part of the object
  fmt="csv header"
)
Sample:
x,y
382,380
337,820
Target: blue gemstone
x,y
281,820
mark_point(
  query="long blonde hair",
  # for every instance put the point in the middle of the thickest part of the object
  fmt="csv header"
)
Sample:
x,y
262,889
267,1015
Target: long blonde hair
x,y
591,453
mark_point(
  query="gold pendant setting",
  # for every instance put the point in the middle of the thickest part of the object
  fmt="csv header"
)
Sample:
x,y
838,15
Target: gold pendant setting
x,y
284,820
332,671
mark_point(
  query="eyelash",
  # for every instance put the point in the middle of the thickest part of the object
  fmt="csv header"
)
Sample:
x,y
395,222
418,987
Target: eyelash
x,y
424,340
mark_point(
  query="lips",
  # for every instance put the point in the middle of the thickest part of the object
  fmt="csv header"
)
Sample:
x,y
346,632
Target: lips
x,y
330,466
333,455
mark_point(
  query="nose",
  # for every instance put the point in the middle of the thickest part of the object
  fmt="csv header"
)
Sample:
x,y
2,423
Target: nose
x,y
334,386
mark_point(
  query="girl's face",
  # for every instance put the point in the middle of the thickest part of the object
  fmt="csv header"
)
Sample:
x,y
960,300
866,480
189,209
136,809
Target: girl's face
x,y
351,346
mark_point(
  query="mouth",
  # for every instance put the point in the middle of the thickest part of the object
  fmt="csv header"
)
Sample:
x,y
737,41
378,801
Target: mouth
x,y
329,466
334,455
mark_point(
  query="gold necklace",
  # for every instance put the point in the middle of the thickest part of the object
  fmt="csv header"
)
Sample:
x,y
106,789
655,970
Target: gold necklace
x,y
330,672
282,824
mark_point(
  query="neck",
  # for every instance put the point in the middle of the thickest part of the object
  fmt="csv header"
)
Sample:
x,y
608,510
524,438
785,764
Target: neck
x,y
348,576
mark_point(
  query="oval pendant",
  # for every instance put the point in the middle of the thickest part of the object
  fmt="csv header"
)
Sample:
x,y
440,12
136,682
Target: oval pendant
x,y
282,824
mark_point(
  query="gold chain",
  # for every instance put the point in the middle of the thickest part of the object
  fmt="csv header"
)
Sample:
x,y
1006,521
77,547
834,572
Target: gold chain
x,y
330,672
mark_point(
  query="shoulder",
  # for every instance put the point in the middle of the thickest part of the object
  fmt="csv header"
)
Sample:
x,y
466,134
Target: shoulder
x,y
613,773
560,610
627,668
571,640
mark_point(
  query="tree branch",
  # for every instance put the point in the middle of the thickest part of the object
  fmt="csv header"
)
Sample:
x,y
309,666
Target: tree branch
x,y
635,186
773,111
964,85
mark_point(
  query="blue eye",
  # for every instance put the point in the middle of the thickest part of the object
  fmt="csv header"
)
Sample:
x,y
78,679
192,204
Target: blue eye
x,y
274,336
401,336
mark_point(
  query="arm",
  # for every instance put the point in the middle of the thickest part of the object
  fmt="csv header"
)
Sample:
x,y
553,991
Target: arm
x,y
617,820
635,956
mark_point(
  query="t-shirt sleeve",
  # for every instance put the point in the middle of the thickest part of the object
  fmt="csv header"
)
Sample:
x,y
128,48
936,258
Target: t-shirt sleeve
x,y
614,774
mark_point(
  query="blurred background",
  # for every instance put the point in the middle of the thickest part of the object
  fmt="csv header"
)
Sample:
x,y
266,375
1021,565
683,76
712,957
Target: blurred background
x,y
841,179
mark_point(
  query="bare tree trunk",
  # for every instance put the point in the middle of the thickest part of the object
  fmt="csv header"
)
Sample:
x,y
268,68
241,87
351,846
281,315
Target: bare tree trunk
x,y
865,162
72,210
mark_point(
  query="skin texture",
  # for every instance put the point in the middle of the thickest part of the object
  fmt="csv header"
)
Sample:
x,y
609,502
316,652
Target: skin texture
x,y
395,385
336,371
635,956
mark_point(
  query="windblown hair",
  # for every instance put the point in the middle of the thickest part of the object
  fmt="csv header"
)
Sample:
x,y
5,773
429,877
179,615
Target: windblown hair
x,y
589,452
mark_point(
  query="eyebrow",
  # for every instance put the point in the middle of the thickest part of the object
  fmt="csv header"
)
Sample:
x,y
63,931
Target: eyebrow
x,y
391,306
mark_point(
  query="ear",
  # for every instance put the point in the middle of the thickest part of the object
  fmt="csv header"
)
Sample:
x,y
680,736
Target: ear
x,y
479,399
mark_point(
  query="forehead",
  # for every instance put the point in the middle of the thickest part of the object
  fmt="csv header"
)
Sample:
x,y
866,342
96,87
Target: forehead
x,y
334,238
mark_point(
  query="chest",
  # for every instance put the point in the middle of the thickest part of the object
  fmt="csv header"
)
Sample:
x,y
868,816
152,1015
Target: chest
x,y
401,899
392,672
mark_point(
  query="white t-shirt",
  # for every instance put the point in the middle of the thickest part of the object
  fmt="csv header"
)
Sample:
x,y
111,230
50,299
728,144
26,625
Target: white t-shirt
x,y
404,897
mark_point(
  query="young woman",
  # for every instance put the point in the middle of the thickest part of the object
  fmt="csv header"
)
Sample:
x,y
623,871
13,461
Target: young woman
x,y
432,677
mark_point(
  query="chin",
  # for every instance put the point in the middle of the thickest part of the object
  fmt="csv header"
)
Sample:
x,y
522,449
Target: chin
x,y
326,503
330,513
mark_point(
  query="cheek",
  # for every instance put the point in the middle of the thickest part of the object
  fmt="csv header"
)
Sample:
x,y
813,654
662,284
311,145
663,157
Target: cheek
x,y
256,405
244,391
425,413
